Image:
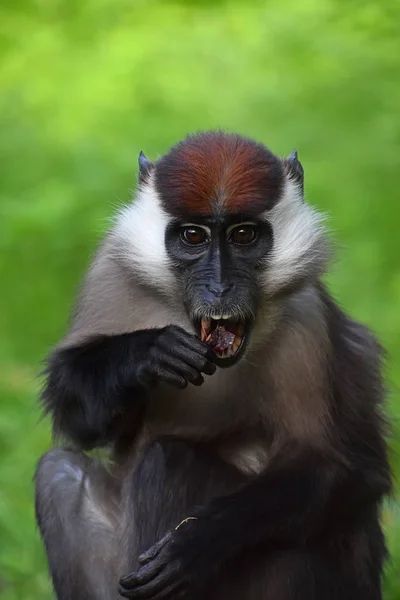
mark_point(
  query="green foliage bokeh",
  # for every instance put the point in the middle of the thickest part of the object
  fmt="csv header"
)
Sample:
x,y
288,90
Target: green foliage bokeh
x,y
84,86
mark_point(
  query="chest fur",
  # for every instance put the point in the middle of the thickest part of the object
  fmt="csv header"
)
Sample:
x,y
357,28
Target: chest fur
x,y
225,402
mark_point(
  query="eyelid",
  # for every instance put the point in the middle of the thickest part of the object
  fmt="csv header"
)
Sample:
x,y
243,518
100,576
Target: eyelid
x,y
204,227
236,225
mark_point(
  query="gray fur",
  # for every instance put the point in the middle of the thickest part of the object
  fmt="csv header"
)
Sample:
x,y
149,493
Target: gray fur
x,y
275,397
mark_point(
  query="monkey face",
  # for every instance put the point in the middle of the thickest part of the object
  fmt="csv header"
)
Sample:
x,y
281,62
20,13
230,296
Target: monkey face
x,y
219,262
220,228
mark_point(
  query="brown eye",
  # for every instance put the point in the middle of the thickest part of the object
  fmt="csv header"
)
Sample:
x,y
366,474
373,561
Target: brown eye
x,y
194,235
243,234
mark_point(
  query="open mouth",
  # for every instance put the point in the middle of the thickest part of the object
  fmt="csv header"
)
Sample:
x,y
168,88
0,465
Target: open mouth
x,y
225,335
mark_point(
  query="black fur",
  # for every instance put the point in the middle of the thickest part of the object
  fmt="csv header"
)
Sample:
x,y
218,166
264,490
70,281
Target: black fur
x,y
91,387
71,535
217,262
145,168
307,502
308,527
294,168
321,550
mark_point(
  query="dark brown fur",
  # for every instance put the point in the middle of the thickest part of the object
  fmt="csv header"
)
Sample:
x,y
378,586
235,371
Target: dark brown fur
x,y
213,172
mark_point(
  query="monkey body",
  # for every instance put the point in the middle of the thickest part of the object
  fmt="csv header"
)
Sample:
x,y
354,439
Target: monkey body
x,y
279,461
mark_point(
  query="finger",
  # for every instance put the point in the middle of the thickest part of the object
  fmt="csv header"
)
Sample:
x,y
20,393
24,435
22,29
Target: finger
x,y
144,574
168,376
154,550
191,374
211,355
174,591
189,343
161,586
198,361
187,339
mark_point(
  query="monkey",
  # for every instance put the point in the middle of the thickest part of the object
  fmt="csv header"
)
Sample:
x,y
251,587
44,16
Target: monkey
x,y
240,409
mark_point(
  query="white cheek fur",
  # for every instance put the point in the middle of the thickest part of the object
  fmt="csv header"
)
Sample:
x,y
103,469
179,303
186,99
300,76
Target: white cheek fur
x,y
140,234
300,246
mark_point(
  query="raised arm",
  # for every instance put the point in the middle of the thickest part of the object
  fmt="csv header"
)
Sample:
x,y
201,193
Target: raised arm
x,y
118,349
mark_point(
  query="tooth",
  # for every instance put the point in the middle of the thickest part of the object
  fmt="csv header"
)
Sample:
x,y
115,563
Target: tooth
x,y
216,317
226,316
236,343
240,329
205,328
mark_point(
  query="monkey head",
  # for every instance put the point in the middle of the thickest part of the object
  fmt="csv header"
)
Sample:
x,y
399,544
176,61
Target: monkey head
x,y
219,224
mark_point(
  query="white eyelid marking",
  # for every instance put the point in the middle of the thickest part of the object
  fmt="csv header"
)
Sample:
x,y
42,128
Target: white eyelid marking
x,y
236,225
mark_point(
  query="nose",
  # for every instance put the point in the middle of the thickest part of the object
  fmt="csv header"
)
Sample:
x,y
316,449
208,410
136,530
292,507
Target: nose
x,y
219,289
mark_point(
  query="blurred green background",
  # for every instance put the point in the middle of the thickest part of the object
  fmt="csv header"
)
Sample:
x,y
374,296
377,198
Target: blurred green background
x,y
87,84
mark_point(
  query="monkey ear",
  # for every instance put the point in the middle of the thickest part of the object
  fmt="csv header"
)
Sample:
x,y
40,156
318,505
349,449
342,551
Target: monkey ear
x,y
294,169
145,167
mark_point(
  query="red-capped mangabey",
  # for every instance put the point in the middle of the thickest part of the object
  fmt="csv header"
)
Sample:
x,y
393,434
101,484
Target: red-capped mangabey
x,y
230,388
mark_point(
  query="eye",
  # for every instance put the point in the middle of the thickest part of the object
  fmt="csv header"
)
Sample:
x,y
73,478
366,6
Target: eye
x,y
243,235
193,235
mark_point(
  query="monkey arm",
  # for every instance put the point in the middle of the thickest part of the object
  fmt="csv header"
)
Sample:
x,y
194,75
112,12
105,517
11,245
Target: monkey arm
x,y
292,503
100,385
91,385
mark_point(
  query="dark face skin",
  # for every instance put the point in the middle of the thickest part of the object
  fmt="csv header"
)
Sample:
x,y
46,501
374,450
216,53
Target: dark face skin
x,y
218,261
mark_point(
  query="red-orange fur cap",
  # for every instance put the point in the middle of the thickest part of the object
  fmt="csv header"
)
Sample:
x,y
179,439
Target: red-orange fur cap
x,y
216,172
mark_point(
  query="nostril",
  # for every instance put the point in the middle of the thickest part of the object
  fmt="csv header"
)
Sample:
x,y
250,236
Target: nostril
x,y
219,289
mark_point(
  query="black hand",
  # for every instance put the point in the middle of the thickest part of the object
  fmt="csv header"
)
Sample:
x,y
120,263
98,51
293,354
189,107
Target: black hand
x,y
175,357
163,574
293,502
